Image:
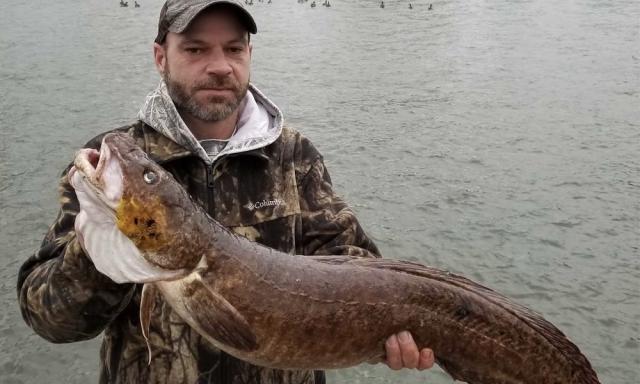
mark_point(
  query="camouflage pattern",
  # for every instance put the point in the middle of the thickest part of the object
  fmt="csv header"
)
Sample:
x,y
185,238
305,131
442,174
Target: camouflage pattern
x,y
279,195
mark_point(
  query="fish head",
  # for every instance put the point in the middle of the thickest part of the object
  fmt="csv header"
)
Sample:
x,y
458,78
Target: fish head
x,y
151,208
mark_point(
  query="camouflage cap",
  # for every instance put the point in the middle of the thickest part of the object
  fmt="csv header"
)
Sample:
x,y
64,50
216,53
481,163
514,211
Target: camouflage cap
x,y
176,15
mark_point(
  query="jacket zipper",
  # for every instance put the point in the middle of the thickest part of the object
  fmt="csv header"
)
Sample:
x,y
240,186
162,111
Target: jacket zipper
x,y
211,169
210,189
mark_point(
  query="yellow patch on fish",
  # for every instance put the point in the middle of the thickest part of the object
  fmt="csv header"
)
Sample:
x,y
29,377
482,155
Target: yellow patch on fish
x,y
142,222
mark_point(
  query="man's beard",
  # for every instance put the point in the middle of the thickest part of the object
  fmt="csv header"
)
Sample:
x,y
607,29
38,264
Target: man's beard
x,y
215,108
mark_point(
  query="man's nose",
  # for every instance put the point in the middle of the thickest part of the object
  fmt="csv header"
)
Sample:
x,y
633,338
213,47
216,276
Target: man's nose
x,y
217,63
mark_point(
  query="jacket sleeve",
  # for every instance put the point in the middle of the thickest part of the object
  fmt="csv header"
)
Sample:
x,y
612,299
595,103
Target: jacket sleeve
x,y
62,296
329,226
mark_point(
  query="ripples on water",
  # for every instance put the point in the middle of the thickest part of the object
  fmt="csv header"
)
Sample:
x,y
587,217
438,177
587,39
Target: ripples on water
x,y
499,140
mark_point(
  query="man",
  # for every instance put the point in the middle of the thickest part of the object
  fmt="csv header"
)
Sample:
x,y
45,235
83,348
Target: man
x,y
224,141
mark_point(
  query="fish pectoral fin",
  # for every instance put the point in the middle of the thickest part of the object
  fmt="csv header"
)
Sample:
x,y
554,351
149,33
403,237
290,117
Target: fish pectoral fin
x,y
147,304
217,318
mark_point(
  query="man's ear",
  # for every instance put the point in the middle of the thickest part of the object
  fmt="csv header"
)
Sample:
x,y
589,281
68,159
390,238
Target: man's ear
x,y
160,57
250,49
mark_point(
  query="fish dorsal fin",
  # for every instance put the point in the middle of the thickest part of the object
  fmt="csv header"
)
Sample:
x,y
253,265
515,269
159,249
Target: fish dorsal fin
x,y
216,317
335,259
147,304
531,318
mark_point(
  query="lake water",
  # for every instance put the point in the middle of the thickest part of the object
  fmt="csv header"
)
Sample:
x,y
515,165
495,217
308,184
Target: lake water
x,y
496,139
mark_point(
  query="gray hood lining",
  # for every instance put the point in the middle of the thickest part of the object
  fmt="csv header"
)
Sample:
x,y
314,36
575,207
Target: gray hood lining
x,y
160,113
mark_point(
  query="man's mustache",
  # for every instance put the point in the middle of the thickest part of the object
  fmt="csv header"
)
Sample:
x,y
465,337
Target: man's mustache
x,y
217,82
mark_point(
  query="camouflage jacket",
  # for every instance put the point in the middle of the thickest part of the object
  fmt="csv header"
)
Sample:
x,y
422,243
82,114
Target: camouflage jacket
x,y
279,195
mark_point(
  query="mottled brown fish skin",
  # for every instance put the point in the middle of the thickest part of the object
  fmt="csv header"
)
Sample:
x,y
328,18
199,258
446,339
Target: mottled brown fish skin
x,y
322,312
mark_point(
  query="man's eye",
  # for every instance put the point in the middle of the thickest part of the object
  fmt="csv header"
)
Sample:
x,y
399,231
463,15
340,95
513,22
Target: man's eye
x,y
235,49
194,51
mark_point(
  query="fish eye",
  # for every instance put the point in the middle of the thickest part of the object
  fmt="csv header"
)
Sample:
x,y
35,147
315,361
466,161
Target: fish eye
x,y
150,177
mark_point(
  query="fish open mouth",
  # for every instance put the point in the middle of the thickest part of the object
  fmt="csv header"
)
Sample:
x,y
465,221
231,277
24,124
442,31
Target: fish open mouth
x,y
102,172
92,163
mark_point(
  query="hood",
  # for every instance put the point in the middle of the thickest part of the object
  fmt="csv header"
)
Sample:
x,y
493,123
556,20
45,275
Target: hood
x,y
259,124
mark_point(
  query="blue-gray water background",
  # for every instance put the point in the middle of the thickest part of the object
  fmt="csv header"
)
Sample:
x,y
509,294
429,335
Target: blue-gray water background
x,y
496,139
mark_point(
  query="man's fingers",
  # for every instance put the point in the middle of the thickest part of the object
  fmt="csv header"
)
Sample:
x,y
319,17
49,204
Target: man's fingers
x,y
81,218
75,179
394,357
402,352
426,359
409,350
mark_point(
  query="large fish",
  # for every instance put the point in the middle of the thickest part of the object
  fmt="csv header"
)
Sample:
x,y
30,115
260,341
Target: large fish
x,y
316,312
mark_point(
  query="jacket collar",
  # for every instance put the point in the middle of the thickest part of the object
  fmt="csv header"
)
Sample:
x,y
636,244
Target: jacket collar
x,y
260,124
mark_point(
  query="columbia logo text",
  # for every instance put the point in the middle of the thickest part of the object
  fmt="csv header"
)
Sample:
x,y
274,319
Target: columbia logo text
x,y
264,203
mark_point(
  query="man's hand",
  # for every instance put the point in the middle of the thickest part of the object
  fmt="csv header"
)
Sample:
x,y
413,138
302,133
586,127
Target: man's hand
x,y
402,352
